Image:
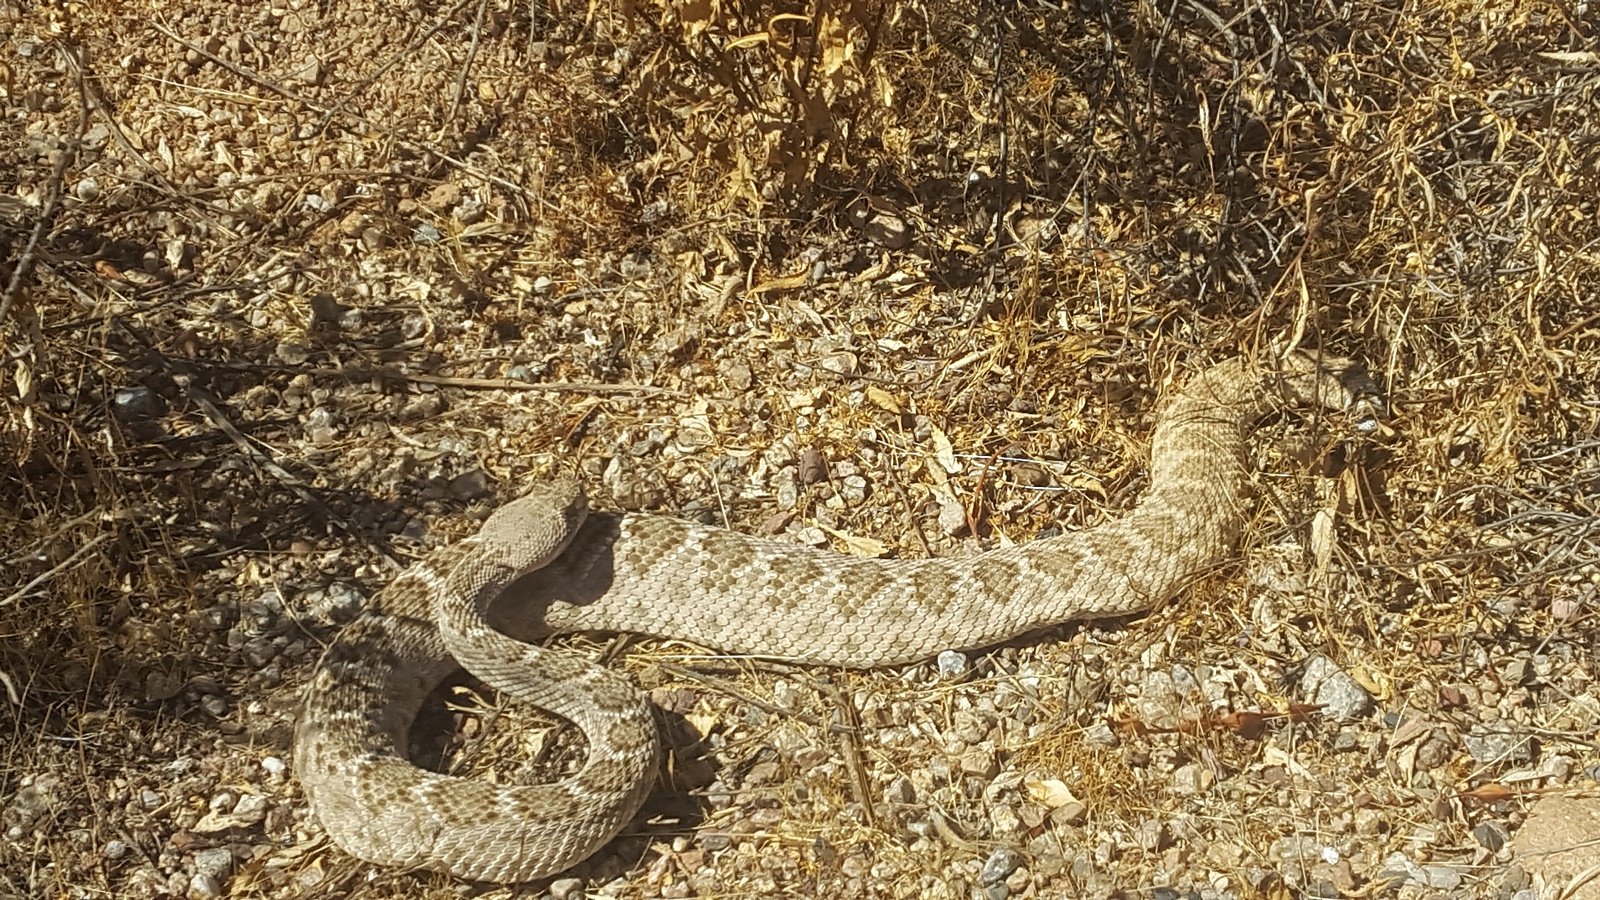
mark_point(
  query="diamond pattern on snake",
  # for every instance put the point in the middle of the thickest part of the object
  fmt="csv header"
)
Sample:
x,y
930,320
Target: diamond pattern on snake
x,y
660,576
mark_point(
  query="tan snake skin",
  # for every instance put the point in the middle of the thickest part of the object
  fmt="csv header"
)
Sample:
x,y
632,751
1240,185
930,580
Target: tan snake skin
x,y
673,579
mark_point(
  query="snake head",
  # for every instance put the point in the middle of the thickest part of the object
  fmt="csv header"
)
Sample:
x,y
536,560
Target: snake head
x,y
535,528
1335,384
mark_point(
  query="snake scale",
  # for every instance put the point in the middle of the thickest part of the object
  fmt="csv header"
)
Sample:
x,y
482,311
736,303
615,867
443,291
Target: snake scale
x,y
673,579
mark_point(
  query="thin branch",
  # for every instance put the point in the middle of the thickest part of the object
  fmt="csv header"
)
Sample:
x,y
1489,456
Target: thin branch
x,y
57,569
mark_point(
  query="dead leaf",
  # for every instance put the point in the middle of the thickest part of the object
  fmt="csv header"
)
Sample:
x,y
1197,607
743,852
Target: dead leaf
x,y
1488,793
884,400
786,283
1051,792
858,546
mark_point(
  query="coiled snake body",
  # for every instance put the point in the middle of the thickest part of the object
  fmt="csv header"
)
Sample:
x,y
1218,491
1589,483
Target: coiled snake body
x,y
673,579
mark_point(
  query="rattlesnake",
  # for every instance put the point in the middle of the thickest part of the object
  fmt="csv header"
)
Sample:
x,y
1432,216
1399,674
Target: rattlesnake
x,y
673,579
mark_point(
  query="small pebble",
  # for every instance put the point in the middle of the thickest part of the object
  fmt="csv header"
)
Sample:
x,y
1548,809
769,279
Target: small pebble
x,y
203,885
216,862
952,517
136,404
953,664
566,889
981,763
1491,836
1152,835
712,840
901,791
1070,813
1501,742
1002,862
291,353
737,376
1339,694
472,485
813,466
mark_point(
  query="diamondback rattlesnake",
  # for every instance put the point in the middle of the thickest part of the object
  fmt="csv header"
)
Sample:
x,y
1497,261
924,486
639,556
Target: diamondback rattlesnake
x,y
673,579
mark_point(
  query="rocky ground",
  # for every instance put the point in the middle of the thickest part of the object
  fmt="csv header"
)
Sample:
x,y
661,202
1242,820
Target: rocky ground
x,y
295,292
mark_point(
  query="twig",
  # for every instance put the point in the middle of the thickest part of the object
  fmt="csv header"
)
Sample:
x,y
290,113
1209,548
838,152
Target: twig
x,y
95,515
52,204
911,511
723,687
466,67
412,144
503,384
285,477
407,56
482,384
854,762
11,688
57,569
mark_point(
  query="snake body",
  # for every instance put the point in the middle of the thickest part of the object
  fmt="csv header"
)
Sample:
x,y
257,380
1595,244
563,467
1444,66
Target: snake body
x,y
674,579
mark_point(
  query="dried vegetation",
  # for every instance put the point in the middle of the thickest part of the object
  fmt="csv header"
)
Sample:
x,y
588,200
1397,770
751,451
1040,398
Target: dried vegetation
x,y
293,291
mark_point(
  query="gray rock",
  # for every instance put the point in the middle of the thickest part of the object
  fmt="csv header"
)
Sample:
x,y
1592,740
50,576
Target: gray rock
x,y
216,863
1191,779
136,404
1441,877
953,664
322,425
1397,867
250,809
1340,695
980,763
472,485
901,791
1102,735
1001,863
339,601
566,889
1491,835
1160,705
1500,741
1152,836
786,488
853,489
203,885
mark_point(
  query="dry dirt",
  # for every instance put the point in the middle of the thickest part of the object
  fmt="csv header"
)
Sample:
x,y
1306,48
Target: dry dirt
x,y
293,292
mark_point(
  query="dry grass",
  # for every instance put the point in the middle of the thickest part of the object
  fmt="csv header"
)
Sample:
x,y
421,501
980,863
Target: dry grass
x,y
727,206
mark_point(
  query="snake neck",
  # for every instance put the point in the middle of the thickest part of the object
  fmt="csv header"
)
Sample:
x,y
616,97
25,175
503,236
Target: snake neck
x,y
1199,495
